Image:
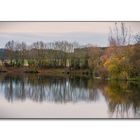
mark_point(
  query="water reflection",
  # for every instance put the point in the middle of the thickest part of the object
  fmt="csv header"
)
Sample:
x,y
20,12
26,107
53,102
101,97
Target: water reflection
x,y
122,98
42,88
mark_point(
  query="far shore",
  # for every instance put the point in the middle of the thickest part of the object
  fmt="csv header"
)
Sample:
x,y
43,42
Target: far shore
x,y
61,72
46,71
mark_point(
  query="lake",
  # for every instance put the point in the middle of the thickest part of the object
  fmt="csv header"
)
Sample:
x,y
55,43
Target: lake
x,y
36,96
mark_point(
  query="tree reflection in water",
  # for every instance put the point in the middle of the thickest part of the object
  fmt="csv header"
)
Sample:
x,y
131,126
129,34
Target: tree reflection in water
x,y
42,88
121,97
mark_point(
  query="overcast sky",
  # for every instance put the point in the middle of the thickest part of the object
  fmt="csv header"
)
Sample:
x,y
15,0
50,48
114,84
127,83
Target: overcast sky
x,y
82,32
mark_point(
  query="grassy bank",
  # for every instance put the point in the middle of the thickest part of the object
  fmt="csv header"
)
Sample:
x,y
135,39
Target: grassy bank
x,y
50,71
59,72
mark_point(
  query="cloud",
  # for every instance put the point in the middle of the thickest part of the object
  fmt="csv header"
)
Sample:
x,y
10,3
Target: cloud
x,y
53,27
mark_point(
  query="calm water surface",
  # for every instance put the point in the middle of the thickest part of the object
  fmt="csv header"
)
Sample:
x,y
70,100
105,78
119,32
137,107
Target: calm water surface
x,y
34,96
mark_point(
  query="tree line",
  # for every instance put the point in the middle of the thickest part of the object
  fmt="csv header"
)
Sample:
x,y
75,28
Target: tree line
x,y
120,60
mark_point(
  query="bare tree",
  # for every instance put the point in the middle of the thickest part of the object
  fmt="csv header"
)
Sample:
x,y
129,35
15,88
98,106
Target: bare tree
x,y
120,35
9,50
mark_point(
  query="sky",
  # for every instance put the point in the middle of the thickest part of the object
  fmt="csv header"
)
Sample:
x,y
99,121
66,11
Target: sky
x,y
95,33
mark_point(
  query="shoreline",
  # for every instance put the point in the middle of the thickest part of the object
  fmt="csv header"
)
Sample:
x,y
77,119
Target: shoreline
x,y
49,71
58,72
